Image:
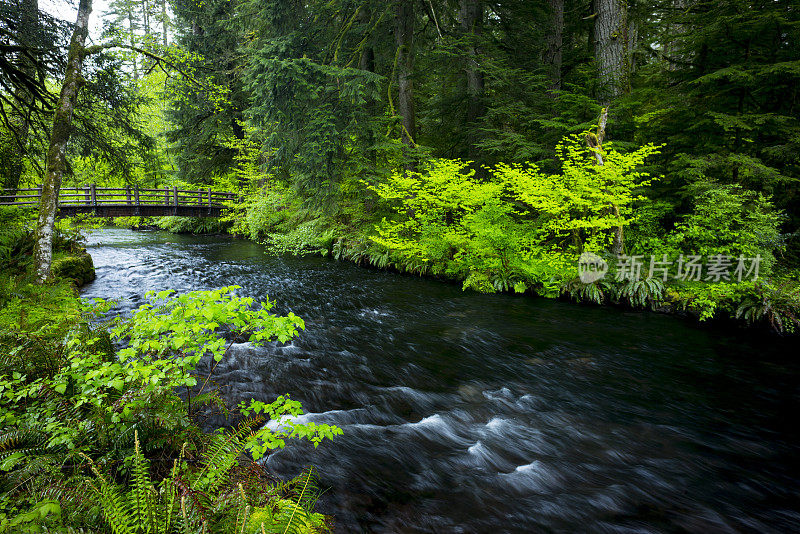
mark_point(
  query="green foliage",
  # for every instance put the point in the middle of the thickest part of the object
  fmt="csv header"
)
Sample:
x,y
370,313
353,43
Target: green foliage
x,y
191,225
648,292
729,220
310,237
259,214
134,223
722,97
516,228
205,500
644,293
291,516
43,515
775,306
207,101
584,200
597,292
68,393
26,306
313,107
16,249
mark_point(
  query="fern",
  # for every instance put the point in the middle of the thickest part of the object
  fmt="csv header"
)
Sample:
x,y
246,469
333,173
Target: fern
x,y
293,514
593,293
642,293
777,307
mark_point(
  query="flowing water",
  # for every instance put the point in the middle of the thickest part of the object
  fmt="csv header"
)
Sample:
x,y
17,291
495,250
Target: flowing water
x,y
489,413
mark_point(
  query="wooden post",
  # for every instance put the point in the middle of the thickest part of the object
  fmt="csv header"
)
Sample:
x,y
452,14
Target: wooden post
x,y
87,197
128,195
209,201
166,195
93,189
175,199
199,198
136,197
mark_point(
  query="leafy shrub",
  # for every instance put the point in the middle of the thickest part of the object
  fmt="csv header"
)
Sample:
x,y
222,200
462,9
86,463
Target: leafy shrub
x,y
133,222
644,293
311,237
206,499
707,300
263,212
729,220
518,228
192,225
26,307
67,392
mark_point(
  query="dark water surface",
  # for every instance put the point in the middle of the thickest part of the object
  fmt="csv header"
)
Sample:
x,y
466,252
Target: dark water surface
x,y
473,413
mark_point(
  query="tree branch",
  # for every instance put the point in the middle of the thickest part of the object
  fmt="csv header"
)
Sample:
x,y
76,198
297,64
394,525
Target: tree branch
x,y
95,49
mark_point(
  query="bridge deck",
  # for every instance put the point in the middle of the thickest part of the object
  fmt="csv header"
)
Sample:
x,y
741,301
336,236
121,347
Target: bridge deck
x,y
127,202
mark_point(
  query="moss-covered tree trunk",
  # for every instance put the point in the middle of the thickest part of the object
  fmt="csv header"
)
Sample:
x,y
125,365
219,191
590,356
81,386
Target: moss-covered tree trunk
x,y
56,161
366,62
595,142
554,41
404,39
471,14
610,49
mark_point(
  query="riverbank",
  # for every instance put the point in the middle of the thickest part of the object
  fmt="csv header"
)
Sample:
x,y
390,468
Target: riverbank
x,y
769,304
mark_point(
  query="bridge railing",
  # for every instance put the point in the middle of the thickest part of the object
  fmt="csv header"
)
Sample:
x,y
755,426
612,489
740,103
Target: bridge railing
x,y
94,196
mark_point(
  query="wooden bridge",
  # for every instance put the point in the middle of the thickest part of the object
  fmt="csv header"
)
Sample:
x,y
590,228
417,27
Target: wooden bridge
x,y
126,202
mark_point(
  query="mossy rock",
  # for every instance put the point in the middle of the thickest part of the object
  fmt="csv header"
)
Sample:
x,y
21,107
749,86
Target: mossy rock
x,y
77,267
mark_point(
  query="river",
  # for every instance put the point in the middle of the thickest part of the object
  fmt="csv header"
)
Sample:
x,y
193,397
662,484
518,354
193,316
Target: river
x,y
468,413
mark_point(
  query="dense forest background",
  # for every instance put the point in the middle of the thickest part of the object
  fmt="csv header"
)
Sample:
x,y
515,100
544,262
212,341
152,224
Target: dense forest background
x,y
497,144
320,112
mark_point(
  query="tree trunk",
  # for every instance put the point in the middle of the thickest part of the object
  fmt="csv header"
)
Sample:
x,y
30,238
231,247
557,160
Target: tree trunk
x,y
471,18
367,62
554,43
610,48
132,28
146,62
146,17
164,23
630,47
671,33
404,39
367,59
56,161
595,141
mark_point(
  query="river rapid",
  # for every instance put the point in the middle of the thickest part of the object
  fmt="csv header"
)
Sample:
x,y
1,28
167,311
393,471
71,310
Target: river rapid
x,y
468,413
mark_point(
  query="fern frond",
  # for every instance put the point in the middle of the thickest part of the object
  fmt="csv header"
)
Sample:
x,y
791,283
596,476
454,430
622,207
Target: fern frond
x,y
212,399
116,510
25,440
